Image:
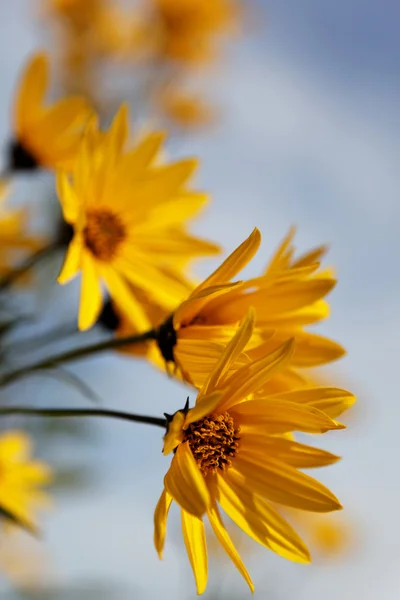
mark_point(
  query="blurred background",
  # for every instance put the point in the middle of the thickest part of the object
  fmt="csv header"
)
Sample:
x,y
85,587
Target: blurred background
x,y
298,125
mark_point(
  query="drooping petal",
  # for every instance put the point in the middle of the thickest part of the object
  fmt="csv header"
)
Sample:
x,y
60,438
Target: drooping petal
x,y
91,299
186,484
252,377
226,542
160,521
195,541
259,520
281,483
175,434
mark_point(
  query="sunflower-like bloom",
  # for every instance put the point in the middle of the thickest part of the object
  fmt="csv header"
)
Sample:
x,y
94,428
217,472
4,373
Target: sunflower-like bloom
x,y
21,479
288,296
229,450
186,30
129,217
45,136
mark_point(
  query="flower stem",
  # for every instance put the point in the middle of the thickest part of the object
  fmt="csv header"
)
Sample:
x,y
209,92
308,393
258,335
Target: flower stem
x,y
30,262
81,412
71,355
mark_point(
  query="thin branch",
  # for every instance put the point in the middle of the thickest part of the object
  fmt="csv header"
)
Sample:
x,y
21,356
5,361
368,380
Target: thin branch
x,y
81,412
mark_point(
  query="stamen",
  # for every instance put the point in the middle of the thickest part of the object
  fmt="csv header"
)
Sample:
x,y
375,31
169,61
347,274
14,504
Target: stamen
x,y
214,442
103,233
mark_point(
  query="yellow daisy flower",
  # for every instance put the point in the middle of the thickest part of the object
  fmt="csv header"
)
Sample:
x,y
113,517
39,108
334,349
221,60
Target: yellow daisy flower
x,y
185,30
20,480
129,217
45,136
288,296
229,450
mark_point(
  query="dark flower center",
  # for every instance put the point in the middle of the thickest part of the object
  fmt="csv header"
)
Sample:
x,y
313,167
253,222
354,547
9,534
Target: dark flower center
x,y
103,233
214,442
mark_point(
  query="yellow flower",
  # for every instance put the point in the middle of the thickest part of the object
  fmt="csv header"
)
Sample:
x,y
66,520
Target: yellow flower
x,y
229,450
129,217
14,240
20,479
187,111
185,30
45,136
288,296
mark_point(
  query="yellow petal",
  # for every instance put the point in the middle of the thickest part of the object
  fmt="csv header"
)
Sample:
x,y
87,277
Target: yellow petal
x,y
277,416
232,350
310,257
14,446
67,196
174,435
124,297
224,539
160,521
330,400
31,91
73,260
195,542
281,258
252,377
91,298
292,453
281,483
185,483
235,262
205,406
189,309
65,114
259,520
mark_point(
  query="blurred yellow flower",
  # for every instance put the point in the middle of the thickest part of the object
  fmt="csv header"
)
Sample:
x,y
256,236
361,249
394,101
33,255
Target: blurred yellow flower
x,y
288,296
229,450
129,217
183,109
187,30
14,240
20,480
45,136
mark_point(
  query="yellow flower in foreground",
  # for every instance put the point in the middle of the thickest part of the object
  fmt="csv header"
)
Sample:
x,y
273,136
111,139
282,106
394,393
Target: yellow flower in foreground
x,y
229,451
287,297
45,136
129,217
21,479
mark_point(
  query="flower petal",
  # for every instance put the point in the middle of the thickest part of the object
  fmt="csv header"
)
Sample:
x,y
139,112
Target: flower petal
x,y
186,484
31,91
73,260
195,541
259,520
174,435
68,198
330,400
189,309
205,406
224,539
292,453
252,377
281,483
235,262
91,299
232,350
277,416
160,521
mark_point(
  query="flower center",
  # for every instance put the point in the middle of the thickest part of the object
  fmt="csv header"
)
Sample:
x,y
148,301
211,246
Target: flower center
x,y
103,233
214,442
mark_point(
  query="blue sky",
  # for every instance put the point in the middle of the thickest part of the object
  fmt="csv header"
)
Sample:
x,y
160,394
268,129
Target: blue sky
x,y
310,137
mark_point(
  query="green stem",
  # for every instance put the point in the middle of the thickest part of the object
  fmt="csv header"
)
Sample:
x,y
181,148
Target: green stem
x,y
71,355
82,412
30,262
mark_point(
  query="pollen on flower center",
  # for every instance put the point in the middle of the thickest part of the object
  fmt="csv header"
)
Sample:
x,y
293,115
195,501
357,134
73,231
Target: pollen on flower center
x,y
214,442
103,233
